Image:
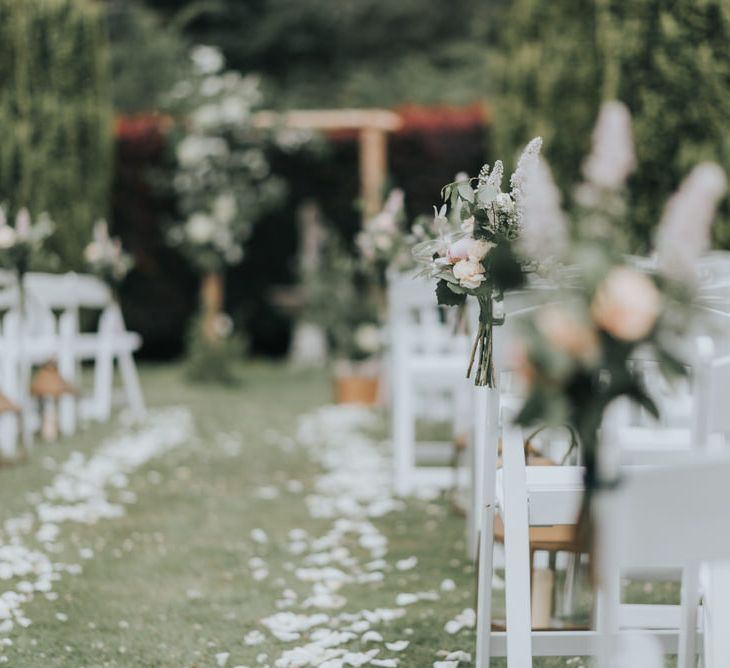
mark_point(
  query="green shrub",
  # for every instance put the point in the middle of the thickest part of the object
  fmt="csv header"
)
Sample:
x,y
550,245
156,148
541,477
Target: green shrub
x,y
668,61
55,116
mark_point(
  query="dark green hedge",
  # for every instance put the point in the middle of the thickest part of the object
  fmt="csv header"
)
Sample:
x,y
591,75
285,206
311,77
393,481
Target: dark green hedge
x,y
668,60
55,116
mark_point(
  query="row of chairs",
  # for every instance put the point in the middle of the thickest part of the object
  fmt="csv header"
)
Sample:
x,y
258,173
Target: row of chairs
x,y
41,323
527,498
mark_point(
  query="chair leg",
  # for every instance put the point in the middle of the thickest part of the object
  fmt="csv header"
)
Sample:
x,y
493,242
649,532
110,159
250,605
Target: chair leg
x,y
517,584
404,437
567,606
130,382
484,591
687,653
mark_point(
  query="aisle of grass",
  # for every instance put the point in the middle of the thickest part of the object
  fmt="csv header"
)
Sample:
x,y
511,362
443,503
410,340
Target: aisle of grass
x,y
170,584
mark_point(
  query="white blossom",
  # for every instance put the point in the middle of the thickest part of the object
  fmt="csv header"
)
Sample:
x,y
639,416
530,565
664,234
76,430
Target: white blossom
x,y
612,156
544,224
495,178
529,155
207,59
684,231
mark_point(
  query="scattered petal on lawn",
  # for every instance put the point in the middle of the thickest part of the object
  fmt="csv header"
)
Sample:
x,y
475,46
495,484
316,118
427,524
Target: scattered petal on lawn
x,y
448,585
371,636
459,655
221,659
254,637
385,663
406,564
466,619
398,645
61,616
259,536
445,664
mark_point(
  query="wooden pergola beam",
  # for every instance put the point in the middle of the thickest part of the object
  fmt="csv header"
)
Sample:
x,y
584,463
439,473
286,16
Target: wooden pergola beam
x,y
331,119
372,126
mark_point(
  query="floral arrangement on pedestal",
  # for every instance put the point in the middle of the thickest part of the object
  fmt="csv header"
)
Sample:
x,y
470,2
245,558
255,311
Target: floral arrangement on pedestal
x,y
105,256
223,181
576,355
381,240
339,297
475,254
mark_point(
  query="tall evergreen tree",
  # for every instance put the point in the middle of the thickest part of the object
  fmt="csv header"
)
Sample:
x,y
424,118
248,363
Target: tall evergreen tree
x,y
55,116
668,60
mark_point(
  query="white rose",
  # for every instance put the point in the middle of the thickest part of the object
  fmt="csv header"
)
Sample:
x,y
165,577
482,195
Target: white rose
x,y
626,304
469,273
225,208
207,59
368,339
200,228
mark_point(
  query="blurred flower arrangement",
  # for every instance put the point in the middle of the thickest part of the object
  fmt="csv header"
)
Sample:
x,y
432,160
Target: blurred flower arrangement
x,y
576,355
223,185
381,241
105,257
223,180
338,297
474,253
19,242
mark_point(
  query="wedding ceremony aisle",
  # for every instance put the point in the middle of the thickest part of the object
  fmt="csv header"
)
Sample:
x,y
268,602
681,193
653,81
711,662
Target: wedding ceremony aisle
x,y
243,537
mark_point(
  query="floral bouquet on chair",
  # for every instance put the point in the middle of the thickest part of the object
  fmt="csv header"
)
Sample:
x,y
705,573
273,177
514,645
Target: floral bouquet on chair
x,y
105,257
576,356
475,252
20,242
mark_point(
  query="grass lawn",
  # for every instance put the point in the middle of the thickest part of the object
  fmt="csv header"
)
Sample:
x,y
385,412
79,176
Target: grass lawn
x,y
170,583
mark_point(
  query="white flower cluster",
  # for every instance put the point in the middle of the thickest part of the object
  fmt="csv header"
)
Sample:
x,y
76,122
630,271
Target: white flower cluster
x,y
105,255
223,177
25,232
459,255
381,235
212,230
684,231
612,158
544,224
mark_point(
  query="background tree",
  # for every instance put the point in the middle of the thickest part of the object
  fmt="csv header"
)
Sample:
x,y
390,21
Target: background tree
x,y
55,153
668,61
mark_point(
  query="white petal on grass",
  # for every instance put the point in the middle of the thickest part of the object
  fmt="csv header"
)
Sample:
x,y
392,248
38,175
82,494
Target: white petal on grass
x,y
397,646
221,659
371,636
254,637
447,585
259,536
406,564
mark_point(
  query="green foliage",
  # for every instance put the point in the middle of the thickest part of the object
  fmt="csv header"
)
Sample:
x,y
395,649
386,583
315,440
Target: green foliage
x,y
209,362
138,37
55,117
554,62
348,52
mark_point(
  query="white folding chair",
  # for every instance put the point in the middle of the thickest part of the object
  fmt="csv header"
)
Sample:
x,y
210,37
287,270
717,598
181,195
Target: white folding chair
x,y
669,517
111,343
428,368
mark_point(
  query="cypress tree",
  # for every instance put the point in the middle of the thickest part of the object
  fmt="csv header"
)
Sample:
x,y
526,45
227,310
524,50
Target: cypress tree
x,y
55,116
668,60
